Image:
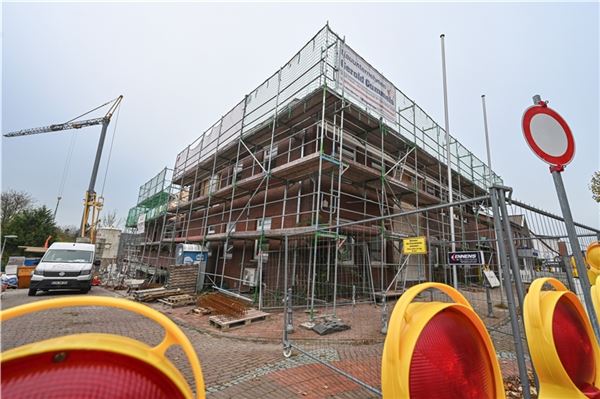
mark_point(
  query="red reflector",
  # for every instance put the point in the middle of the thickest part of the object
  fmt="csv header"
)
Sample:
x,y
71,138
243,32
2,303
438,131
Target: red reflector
x,y
84,374
450,360
574,347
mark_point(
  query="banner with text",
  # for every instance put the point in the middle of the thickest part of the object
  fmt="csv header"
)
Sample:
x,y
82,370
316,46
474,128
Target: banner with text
x,y
362,81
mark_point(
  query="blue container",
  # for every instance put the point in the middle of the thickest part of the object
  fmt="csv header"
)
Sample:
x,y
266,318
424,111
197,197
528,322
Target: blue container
x,y
31,261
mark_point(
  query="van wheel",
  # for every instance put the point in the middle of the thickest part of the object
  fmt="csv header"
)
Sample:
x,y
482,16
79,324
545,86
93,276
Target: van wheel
x,y
32,292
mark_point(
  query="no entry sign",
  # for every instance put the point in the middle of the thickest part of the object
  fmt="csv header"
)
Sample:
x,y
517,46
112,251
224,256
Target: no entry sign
x,y
548,135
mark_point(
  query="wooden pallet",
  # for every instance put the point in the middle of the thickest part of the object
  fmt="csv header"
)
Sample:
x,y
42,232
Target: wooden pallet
x,y
153,294
176,301
225,323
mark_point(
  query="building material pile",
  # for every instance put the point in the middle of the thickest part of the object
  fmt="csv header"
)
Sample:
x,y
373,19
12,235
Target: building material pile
x,y
183,277
221,304
153,294
176,301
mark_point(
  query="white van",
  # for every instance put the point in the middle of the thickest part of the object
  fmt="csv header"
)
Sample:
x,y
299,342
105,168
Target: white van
x,y
65,265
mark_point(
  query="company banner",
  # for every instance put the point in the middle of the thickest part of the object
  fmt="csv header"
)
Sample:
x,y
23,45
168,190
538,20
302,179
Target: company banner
x,y
366,84
141,223
465,258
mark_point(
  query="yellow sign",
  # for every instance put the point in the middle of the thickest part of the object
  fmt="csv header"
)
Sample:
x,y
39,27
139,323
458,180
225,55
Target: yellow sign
x,y
414,246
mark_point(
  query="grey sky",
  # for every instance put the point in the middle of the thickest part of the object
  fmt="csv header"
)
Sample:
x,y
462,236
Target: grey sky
x,y
182,66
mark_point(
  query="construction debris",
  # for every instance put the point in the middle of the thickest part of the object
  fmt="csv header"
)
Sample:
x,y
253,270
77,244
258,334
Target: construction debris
x,y
202,311
223,305
330,326
153,294
176,301
183,277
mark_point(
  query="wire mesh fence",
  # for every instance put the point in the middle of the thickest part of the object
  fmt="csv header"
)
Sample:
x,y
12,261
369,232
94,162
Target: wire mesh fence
x,y
344,282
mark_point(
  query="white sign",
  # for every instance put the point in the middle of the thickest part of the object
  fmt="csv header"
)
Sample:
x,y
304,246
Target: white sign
x,y
362,81
491,278
141,222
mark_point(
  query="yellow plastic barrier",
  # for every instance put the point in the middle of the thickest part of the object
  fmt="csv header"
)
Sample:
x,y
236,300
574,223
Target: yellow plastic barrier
x,y
561,342
57,351
596,297
438,349
592,258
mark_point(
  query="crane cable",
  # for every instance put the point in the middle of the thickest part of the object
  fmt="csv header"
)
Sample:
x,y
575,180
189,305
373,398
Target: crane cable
x,y
110,150
67,166
92,110
70,151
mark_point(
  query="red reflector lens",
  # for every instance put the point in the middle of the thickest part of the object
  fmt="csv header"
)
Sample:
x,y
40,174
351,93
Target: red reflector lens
x,y
450,360
574,346
84,374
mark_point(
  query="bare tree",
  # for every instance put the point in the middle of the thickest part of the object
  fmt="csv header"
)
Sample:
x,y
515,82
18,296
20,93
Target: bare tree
x,y
110,219
13,202
595,186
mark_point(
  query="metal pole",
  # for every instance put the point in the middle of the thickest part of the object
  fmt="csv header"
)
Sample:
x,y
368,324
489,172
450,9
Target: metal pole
x,y
448,160
575,248
98,155
569,273
491,183
516,270
512,310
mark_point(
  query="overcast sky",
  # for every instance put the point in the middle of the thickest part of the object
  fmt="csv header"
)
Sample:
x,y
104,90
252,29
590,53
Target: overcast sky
x,y
180,67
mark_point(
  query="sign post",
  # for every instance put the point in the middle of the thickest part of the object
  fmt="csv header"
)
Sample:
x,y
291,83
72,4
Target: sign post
x,y
550,138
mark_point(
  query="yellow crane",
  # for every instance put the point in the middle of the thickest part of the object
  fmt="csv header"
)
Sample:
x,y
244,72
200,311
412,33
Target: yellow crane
x,y
92,203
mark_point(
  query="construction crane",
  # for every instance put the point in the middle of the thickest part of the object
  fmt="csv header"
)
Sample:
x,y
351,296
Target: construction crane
x,y
92,203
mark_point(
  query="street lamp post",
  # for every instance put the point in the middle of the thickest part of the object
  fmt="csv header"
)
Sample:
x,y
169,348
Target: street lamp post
x,y
4,243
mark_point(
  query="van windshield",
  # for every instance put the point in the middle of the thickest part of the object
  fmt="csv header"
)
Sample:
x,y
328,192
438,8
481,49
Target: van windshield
x,y
68,256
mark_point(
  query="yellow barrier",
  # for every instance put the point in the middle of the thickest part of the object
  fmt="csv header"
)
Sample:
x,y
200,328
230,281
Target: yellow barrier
x,y
592,258
435,348
596,297
561,342
109,343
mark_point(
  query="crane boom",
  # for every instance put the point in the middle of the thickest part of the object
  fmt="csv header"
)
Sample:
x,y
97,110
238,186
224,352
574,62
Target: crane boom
x,y
92,203
56,128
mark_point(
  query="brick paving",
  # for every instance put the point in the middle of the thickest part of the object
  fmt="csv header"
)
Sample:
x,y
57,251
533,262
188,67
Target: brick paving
x,y
247,362
232,367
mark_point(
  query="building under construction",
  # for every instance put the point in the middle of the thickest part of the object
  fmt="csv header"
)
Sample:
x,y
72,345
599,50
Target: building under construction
x,y
324,141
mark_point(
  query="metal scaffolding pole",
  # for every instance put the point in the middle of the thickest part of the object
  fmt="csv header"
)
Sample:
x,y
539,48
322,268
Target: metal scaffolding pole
x,y
449,161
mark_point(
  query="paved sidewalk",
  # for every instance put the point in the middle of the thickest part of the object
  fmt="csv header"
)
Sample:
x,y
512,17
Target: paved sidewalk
x,y
232,368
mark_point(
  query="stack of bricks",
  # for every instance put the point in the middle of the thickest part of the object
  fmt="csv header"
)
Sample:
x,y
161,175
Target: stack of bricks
x,y
183,277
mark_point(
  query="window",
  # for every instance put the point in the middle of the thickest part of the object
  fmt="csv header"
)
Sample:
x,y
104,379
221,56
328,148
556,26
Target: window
x,y
68,256
263,249
376,165
228,252
214,183
375,250
237,169
263,224
211,230
346,251
269,154
231,227
348,153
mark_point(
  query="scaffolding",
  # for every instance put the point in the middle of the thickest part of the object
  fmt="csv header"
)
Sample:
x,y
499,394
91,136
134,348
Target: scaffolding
x,y
144,223
325,140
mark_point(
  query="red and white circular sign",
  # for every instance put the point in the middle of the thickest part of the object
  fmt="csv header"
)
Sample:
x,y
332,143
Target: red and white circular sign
x,y
548,135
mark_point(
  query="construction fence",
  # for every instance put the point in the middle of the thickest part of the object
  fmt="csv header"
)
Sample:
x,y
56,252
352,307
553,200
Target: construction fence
x,y
339,287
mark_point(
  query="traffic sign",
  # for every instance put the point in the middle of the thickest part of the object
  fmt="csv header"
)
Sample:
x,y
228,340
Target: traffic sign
x,y
548,135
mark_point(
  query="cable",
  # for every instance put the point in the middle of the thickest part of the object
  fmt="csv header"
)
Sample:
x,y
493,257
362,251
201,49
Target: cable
x,y
67,166
110,150
90,111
